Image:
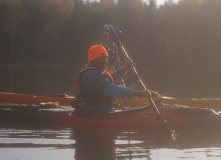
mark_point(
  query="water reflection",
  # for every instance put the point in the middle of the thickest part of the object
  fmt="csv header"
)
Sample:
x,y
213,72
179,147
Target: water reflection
x,y
34,142
94,144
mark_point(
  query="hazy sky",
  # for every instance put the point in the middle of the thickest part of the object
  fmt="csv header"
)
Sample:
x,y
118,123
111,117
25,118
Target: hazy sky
x,y
159,2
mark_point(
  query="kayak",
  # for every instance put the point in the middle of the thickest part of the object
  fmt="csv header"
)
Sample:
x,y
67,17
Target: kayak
x,y
64,100
180,118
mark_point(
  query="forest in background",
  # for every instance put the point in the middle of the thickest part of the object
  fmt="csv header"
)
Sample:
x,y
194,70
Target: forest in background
x,y
176,46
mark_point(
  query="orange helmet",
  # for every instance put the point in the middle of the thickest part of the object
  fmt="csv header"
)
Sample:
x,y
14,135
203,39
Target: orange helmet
x,y
96,51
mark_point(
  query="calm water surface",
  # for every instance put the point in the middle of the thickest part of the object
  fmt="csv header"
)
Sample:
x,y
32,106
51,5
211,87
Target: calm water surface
x,y
50,143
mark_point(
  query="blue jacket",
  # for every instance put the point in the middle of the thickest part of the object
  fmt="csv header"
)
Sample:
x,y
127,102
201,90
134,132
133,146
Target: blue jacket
x,y
96,82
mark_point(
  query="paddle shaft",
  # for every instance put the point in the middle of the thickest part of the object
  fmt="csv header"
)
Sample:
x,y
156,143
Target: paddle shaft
x,y
149,98
143,85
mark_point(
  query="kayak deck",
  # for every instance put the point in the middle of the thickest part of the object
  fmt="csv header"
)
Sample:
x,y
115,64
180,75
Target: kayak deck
x,y
63,100
212,103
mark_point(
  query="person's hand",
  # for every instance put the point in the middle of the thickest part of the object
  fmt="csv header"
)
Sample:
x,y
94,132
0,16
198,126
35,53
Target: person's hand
x,y
155,94
145,93
128,63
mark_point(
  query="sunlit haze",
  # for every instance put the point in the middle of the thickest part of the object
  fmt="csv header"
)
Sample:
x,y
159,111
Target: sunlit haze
x,y
161,2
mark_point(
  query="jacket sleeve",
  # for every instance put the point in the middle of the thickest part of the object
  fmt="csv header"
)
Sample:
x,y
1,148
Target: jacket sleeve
x,y
96,82
118,74
118,91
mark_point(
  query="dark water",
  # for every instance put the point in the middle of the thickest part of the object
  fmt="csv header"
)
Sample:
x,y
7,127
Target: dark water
x,y
50,143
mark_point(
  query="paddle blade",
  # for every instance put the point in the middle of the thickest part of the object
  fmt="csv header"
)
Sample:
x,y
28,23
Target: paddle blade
x,y
169,133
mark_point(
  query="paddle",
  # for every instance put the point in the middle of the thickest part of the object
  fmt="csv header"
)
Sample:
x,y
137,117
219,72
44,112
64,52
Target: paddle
x,y
116,36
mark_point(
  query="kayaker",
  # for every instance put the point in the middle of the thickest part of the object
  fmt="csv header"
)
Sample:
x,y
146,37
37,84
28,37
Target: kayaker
x,y
97,88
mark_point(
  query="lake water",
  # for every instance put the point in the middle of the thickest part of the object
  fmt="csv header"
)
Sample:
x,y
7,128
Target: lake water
x,y
22,142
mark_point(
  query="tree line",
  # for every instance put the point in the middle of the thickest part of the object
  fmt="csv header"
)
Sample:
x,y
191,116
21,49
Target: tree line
x,y
44,43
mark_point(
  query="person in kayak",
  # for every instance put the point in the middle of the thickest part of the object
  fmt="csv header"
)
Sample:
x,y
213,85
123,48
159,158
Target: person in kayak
x,y
97,88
